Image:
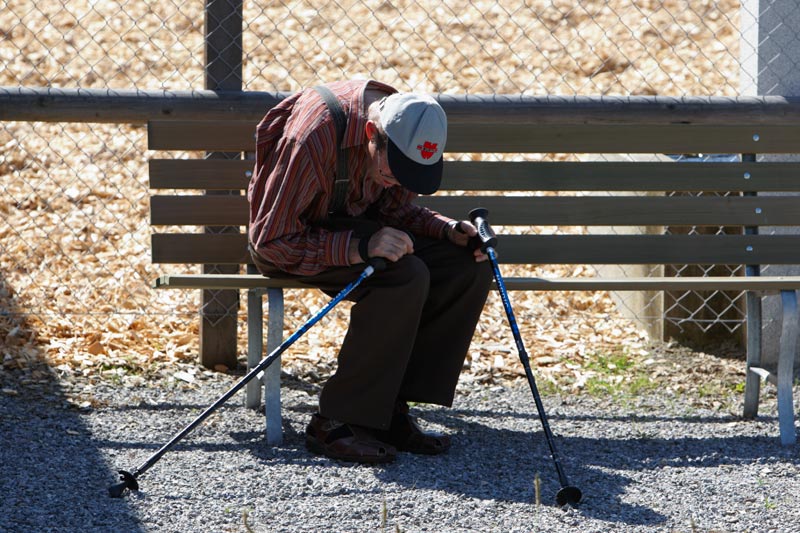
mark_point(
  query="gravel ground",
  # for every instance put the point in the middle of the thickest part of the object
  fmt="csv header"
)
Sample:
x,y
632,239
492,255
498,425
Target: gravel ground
x,y
644,464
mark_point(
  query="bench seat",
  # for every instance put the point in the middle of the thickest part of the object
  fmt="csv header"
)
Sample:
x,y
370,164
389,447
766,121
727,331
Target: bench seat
x,y
762,284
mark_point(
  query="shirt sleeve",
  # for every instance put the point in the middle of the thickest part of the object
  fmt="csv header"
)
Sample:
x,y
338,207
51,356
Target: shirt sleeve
x,y
294,195
397,209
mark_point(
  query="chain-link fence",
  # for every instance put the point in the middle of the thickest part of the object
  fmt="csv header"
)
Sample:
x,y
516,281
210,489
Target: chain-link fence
x,y
73,198
668,47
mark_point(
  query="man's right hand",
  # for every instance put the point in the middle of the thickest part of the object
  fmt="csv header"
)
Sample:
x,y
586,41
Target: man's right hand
x,y
389,243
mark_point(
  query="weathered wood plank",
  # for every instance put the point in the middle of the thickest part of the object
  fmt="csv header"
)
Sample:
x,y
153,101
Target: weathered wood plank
x,y
200,248
521,138
203,174
525,175
199,210
619,176
540,249
651,249
624,210
218,135
732,283
531,210
629,139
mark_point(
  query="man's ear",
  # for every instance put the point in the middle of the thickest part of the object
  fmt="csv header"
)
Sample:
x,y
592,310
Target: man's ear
x,y
370,130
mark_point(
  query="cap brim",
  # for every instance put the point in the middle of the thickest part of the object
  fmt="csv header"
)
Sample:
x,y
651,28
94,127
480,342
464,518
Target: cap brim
x,y
421,179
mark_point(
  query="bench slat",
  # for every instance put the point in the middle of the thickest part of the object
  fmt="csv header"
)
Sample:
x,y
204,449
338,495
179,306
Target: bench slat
x,y
652,249
624,210
759,283
210,174
213,210
224,281
201,248
688,283
619,176
522,138
636,139
220,210
206,135
204,174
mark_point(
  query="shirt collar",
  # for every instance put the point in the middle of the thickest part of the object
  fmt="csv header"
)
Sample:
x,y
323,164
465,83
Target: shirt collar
x,y
354,134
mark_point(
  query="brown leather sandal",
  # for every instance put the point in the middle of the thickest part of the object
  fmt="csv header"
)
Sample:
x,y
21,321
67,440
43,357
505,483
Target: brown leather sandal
x,y
406,435
346,442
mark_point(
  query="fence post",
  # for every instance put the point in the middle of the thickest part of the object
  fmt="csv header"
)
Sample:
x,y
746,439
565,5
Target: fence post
x,y
223,71
770,59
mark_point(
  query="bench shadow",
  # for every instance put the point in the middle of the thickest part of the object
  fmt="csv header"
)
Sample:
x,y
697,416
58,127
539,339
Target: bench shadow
x,y
53,476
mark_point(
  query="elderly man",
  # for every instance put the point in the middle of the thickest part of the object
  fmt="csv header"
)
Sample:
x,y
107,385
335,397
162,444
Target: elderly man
x,y
323,200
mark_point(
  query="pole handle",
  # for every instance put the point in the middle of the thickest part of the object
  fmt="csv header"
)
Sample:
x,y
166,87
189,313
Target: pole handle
x,y
377,263
486,235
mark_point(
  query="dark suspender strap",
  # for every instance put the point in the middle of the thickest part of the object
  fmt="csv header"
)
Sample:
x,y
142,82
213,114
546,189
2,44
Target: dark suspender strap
x,y
337,206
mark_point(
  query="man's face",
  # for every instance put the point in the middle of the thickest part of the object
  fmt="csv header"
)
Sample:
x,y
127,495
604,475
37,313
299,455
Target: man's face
x,y
380,171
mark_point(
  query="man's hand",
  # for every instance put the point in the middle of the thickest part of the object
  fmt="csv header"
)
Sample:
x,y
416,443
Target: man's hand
x,y
461,232
389,243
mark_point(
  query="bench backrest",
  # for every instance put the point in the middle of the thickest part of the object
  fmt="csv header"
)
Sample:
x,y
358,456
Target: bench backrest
x,y
528,199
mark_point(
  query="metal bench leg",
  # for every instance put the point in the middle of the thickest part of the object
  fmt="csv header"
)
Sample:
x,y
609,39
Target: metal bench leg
x,y
789,332
255,344
272,376
752,384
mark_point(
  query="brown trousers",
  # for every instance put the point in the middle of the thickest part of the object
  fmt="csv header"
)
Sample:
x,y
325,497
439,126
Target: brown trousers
x,y
410,329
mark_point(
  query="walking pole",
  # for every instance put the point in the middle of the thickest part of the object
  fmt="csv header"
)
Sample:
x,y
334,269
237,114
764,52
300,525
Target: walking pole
x,y
568,494
129,480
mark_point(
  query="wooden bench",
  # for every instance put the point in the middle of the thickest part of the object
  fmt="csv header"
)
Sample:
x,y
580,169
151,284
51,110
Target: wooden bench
x,y
586,199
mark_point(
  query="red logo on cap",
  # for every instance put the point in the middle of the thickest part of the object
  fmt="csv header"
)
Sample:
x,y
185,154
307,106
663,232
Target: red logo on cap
x,y
428,149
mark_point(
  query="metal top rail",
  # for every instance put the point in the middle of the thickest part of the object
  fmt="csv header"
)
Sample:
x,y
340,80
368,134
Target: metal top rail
x,y
30,104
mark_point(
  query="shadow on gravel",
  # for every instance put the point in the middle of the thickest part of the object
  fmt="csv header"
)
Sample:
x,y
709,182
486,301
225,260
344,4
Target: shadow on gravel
x,y
52,474
489,463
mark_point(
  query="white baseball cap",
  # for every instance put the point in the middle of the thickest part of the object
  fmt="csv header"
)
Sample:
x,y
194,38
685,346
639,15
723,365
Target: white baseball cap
x,y
417,129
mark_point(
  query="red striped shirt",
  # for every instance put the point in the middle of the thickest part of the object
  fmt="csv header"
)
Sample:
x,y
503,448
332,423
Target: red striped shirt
x,y
292,184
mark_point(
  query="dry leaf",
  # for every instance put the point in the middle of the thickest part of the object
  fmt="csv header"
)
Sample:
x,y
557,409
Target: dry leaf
x,y
96,348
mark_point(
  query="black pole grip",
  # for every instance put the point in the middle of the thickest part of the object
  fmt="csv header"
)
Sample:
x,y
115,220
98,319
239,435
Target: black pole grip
x,y
377,263
486,234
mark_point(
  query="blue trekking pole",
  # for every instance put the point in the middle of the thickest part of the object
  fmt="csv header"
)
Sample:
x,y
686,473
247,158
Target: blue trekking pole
x,y
128,480
488,241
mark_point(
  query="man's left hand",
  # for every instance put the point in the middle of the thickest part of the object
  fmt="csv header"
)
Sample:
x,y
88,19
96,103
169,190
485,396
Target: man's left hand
x,y
461,233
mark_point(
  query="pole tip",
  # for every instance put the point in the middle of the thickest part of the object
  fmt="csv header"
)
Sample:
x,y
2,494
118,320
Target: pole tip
x,y
568,496
128,481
